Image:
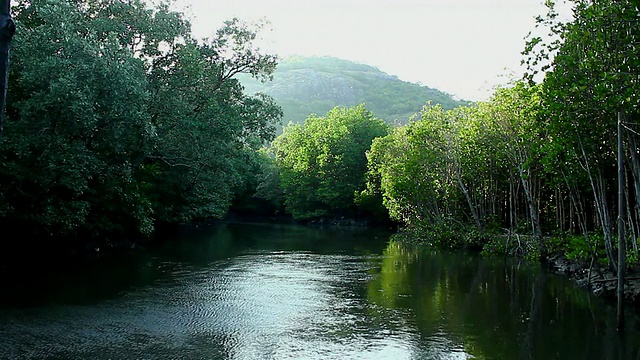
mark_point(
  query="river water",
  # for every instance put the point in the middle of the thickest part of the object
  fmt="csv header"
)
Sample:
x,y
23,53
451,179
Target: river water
x,y
264,291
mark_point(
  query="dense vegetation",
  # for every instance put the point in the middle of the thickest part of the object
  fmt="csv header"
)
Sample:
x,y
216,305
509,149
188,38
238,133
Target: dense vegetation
x,y
536,159
315,85
528,172
119,121
323,164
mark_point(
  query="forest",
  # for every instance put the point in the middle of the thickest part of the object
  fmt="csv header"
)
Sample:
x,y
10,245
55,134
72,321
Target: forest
x,y
530,172
119,122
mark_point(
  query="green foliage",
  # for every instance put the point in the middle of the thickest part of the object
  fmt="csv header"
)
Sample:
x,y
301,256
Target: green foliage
x,y
119,120
447,169
446,235
424,167
593,76
511,245
581,249
496,246
576,248
632,259
76,110
322,162
261,193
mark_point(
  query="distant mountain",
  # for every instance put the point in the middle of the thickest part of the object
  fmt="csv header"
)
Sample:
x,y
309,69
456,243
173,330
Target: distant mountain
x,y
304,86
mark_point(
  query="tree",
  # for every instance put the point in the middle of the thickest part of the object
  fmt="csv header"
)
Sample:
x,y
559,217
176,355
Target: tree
x,y
203,125
119,120
76,112
593,76
433,174
323,162
7,29
511,113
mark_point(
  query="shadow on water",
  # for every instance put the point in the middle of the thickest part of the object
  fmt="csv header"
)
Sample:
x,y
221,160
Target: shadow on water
x,y
91,280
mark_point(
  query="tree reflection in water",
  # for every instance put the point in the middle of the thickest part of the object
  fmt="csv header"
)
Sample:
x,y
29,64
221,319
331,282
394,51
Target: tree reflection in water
x,y
496,309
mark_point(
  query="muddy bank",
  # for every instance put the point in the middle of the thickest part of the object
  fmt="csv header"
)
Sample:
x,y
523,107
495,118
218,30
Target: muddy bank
x,y
602,282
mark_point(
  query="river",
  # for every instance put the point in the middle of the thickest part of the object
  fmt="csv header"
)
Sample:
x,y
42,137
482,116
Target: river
x,y
266,291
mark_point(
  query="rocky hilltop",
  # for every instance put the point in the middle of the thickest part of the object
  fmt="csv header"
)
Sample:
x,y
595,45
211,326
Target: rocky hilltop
x,y
304,86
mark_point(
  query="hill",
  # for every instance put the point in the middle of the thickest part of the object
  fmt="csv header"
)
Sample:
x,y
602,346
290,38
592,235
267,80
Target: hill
x,y
304,86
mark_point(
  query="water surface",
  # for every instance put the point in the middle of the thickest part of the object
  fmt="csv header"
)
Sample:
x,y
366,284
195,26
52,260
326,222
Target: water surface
x,y
264,291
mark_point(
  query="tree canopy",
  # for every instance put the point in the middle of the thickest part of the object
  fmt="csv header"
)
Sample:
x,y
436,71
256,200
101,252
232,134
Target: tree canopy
x,y
323,162
536,157
119,120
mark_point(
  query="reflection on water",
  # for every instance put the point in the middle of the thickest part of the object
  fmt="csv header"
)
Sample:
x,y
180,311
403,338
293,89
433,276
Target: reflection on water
x,y
496,310
251,291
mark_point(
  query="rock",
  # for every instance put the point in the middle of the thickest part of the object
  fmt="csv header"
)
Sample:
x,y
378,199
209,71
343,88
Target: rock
x,y
602,283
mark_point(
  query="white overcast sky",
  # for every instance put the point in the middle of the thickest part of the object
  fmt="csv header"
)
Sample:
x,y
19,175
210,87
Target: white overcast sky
x,y
462,47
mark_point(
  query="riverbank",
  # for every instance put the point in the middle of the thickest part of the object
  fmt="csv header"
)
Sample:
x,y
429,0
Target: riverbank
x,y
588,275
601,282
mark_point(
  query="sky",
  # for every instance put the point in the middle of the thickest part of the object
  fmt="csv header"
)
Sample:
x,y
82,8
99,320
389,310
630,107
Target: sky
x,y
462,47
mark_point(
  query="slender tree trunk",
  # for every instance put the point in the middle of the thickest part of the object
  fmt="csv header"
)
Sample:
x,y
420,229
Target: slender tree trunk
x,y
513,198
599,195
7,29
464,190
571,213
558,208
635,171
533,211
621,242
512,216
606,219
629,214
580,214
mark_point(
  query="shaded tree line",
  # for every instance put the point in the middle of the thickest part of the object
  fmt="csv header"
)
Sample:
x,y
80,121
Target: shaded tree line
x,y
119,121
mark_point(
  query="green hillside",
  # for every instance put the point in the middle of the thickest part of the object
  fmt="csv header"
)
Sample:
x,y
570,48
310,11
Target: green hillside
x,y
304,86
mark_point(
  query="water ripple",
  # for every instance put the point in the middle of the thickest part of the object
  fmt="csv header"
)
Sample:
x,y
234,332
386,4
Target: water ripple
x,y
259,305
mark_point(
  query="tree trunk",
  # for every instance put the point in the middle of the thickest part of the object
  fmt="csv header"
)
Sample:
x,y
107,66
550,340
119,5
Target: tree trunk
x,y
635,171
533,211
580,213
599,196
7,29
621,242
602,208
464,190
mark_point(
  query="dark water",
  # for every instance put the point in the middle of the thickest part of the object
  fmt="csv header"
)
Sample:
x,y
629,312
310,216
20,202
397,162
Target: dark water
x,y
247,291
